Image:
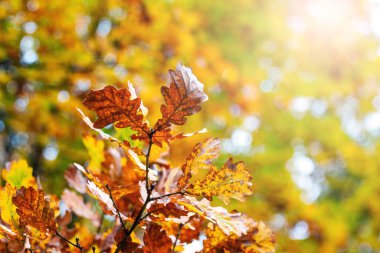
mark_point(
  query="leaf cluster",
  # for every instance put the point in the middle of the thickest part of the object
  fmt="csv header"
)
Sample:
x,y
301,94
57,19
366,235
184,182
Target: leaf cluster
x,y
135,201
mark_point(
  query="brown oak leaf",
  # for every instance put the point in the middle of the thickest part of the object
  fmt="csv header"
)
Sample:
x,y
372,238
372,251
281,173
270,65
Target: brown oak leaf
x,y
156,240
34,209
114,105
182,98
170,210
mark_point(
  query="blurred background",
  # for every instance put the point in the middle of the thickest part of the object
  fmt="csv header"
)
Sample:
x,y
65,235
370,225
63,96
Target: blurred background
x,y
293,85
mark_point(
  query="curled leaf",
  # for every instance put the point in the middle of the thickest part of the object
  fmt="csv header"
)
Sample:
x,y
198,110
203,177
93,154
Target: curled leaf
x,y
229,223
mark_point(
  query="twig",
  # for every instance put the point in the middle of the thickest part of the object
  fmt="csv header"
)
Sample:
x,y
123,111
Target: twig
x,y
117,210
77,245
149,190
100,223
150,135
167,195
177,236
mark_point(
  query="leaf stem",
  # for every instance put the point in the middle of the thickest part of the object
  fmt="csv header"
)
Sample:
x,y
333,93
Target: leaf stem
x,y
150,135
76,245
167,195
149,190
117,210
177,236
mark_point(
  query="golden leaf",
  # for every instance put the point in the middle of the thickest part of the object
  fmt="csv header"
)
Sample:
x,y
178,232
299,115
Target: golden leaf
x,y
8,209
200,158
232,181
95,150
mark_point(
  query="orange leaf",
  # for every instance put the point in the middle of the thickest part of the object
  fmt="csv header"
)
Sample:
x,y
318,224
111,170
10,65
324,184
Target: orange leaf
x,y
156,240
114,105
170,210
34,209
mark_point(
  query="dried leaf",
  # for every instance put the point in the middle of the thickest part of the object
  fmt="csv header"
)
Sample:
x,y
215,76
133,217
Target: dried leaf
x,y
232,181
230,223
182,98
129,245
200,158
122,191
261,240
75,179
108,137
169,211
104,198
6,232
156,240
34,209
76,204
114,105
217,241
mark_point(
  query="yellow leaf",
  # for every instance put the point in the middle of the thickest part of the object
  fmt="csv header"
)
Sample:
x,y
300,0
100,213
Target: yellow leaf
x,y
200,158
18,174
262,239
8,209
95,150
232,181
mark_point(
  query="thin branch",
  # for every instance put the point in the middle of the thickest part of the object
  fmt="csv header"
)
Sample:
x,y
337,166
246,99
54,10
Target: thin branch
x,y
167,195
117,210
177,236
150,135
100,223
149,190
77,245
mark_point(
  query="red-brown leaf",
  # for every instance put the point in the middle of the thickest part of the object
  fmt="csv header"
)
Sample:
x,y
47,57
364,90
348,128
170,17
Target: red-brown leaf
x,y
34,209
156,240
114,105
182,98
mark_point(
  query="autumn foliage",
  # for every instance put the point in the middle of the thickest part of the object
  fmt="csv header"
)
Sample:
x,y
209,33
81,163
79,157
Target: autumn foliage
x,y
143,204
